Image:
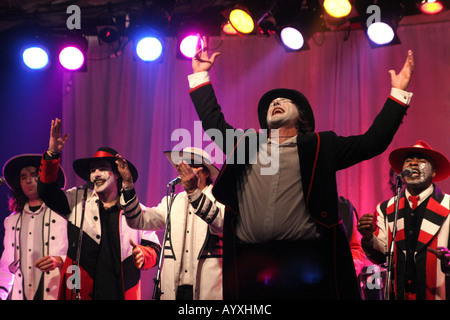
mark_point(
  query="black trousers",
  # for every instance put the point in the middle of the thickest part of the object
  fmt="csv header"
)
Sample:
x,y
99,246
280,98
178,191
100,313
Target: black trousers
x,y
185,292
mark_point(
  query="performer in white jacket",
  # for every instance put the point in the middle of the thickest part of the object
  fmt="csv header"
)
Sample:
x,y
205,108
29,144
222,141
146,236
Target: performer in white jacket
x,y
192,268
35,241
99,263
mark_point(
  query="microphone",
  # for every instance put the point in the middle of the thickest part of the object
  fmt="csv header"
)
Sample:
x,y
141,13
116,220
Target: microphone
x,y
405,173
2,181
174,182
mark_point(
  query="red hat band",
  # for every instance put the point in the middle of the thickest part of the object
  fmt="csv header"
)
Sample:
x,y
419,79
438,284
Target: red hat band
x,y
103,154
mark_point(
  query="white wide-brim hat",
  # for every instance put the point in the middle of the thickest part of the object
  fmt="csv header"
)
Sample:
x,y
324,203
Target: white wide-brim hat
x,y
193,155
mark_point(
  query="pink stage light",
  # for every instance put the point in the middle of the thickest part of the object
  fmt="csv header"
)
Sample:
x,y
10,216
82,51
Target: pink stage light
x,y
188,46
71,58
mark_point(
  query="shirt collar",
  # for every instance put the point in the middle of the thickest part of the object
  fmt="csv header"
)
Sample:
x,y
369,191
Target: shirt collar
x,y
26,209
422,196
287,143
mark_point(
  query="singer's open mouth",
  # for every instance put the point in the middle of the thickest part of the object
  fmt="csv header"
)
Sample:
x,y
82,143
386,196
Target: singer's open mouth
x,y
99,182
277,110
415,173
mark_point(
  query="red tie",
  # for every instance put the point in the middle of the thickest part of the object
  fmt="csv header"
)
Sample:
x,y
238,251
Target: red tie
x,y
414,200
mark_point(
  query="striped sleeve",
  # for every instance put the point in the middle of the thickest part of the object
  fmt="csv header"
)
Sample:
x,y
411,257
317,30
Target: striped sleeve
x,y
130,204
208,209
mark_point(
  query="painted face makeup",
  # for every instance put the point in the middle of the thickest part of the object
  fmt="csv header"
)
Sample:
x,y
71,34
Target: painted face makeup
x,y
282,111
102,177
423,171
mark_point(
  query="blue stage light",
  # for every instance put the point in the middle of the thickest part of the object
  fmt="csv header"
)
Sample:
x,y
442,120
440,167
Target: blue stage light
x,y
149,48
35,57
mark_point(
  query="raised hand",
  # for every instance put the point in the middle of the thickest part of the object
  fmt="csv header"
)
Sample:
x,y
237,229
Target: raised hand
x,y
56,142
401,80
124,171
201,61
189,178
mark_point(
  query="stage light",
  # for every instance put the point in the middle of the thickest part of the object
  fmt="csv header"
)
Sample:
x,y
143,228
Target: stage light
x,y
149,48
431,6
294,24
380,21
71,48
188,46
337,8
381,33
246,16
146,37
241,20
71,58
107,34
35,58
292,38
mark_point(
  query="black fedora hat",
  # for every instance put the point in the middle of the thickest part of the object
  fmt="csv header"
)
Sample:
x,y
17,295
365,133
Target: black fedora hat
x,y
12,167
297,97
82,166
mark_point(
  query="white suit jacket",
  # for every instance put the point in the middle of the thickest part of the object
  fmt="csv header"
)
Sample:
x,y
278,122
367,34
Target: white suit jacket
x,y
207,242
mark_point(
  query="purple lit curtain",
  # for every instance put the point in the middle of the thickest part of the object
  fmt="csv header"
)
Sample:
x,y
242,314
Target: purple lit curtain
x,y
135,107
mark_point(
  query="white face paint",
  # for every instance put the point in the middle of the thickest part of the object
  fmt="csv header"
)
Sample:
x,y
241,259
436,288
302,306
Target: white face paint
x,y
282,112
103,177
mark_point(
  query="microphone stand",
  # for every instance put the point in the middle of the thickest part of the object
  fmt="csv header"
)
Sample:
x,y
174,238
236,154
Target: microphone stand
x,y
75,290
157,280
390,264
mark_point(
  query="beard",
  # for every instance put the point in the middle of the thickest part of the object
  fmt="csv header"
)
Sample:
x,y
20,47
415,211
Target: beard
x,y
281,120
422,176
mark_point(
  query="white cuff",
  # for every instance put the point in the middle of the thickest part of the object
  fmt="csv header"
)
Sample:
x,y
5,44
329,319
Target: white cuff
x,y
194,195
198,78
401,95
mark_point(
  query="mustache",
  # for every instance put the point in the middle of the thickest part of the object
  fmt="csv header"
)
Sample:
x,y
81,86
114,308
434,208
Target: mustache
x,y
101,179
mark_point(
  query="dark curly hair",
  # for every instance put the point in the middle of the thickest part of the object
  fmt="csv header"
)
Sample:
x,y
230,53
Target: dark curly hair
x,y
17,199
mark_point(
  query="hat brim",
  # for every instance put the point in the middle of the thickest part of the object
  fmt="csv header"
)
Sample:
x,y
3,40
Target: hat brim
x,y
12,167
83,170
398,156
175,157
297,97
